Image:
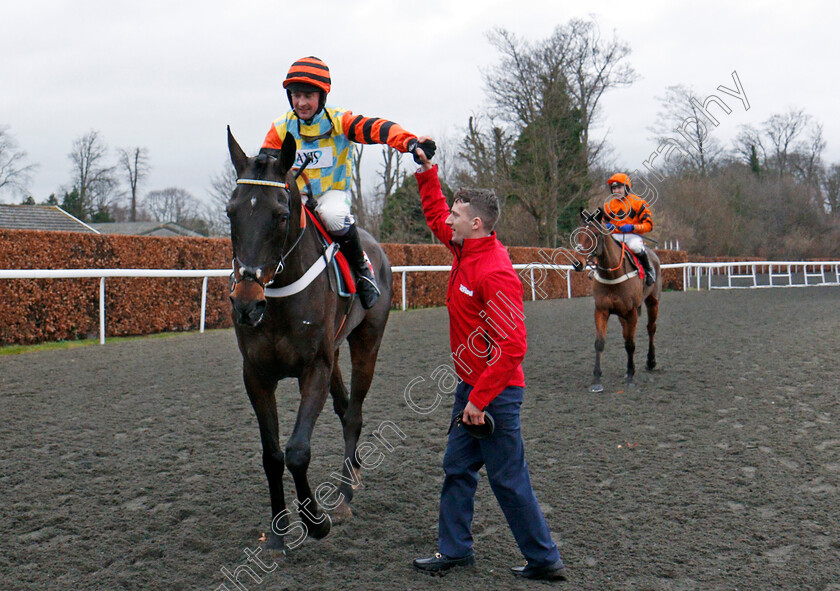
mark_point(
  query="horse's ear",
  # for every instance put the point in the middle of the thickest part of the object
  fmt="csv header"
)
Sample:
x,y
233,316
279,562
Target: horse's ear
x,y
599,214
286,159
237,156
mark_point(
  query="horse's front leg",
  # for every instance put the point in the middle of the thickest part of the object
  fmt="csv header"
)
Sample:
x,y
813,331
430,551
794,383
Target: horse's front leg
x,y
628,326
261,393
601,318
314,385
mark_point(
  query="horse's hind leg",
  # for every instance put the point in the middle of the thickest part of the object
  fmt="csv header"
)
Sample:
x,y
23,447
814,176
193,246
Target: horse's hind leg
x,y
628,326
364,344
340,396
653,313
261,394
314,384
601,318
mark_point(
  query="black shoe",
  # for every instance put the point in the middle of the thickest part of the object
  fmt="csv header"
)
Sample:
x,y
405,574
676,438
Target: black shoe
x,y
440,563
551,572
367,289
351,246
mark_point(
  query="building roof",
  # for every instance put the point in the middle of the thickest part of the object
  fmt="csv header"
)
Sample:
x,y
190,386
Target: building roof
x,y
40,217
167,229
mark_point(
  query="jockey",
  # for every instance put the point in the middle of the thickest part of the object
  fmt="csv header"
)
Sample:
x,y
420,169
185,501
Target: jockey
x,y
627,216
326,135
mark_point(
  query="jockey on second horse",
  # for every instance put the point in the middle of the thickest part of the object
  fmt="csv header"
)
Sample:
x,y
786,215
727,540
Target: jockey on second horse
x,y
628,216
325,134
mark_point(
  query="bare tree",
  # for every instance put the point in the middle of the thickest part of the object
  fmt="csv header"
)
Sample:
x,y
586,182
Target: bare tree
x,y
135,163
831,190
592,66
391,171
782,129
222,186
14,174
357,202
92,177
575,52
749,147
172,204
683,128
806,162
488,154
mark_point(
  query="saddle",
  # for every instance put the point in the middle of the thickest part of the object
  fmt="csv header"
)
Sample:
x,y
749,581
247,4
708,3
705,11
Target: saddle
x,y
345,277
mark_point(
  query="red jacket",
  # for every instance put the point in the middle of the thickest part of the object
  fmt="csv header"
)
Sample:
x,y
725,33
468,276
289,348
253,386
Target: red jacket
x,y
484,298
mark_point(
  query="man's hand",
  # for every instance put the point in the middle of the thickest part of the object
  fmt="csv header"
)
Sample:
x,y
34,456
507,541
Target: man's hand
x,y
627,228
609,226
422,149
473,416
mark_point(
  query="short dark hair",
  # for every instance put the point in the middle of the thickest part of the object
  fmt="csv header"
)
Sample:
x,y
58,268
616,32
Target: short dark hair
x,y
484,203
302,87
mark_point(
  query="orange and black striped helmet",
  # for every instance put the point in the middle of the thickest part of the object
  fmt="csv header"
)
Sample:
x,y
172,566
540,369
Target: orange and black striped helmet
x,y
309,70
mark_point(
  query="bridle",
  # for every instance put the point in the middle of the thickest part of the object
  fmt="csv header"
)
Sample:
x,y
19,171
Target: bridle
x,y
592,258
244,272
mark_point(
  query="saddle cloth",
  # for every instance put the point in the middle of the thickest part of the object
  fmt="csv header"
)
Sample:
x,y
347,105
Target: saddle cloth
x,y
345,273
637,263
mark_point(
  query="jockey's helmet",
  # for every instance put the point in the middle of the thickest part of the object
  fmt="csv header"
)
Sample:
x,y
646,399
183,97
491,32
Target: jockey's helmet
x,y
621,179
308,74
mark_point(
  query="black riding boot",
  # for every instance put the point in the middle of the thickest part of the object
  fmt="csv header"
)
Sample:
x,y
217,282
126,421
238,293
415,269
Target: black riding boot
x,y
650,274
366,287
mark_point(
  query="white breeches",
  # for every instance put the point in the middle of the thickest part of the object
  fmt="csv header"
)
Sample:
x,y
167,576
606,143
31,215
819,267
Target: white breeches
x,y
334,210
633,241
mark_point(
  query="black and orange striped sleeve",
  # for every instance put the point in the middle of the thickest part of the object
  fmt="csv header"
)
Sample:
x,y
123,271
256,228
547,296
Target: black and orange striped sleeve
x,y
645,220
372,130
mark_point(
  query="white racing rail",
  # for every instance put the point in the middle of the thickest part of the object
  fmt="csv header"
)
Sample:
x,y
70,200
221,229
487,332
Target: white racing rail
x,y
713,275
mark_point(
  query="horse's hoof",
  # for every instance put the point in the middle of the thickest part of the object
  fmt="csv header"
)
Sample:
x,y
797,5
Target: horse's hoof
x,y
358,484
341,513
596,388
629,381
274,545
319,531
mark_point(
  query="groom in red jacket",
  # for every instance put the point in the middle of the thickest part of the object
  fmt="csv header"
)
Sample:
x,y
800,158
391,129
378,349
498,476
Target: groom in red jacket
x,y
488,340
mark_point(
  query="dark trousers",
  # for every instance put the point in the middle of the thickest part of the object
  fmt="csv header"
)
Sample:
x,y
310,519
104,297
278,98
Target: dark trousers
x,y
503,454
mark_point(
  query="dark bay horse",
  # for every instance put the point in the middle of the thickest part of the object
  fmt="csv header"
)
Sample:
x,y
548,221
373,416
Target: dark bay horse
x,y
297,335
619,290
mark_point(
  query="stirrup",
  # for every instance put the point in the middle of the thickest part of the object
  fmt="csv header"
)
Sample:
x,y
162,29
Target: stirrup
x,y
368,298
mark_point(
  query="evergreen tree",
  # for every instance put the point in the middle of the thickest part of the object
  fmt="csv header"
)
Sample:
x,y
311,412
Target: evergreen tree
x,y
402,217
72,204
754,164
549,171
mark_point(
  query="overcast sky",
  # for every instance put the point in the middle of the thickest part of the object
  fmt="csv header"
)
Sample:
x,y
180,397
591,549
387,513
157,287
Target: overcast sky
x,y
169,76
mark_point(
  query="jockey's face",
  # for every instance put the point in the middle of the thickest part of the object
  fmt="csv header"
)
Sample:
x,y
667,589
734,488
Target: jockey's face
x,y
305,103
617,189
462,222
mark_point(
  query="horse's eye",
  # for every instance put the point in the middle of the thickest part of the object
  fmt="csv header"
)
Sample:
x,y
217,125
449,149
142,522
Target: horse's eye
x,y
282,217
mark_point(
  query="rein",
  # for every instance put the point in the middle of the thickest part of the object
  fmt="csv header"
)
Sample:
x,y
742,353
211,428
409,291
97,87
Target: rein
x,y
620,260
